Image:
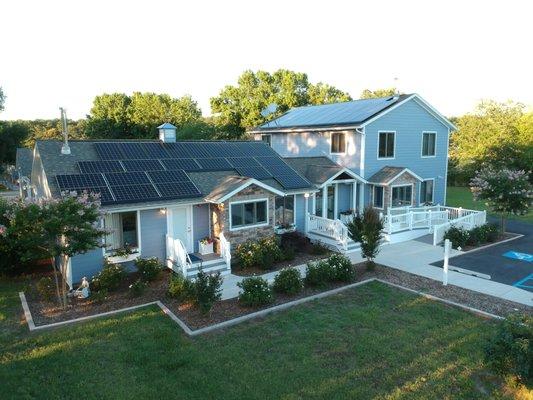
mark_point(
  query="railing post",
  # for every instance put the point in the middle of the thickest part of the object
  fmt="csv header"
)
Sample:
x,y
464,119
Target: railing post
x,y
306,223
460,212
410,216
447,246
429,218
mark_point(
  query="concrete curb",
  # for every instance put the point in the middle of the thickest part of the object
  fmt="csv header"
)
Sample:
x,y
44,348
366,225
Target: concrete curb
x,y
243,318
517,236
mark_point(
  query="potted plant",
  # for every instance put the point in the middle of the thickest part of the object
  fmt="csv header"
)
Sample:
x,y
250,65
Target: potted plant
x,y
124,254
206,245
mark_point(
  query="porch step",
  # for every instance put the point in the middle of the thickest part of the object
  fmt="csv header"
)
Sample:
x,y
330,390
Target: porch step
x,y
333,244
212,266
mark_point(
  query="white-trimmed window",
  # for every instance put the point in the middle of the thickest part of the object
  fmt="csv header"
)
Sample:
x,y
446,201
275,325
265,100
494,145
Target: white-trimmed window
x,y
378,196
402,196
249,213
386,144
338,143
284,210
426,191
429,144
123,232
267,138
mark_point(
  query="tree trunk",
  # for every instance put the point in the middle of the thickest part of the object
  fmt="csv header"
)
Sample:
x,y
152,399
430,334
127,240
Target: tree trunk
x,y
54,267
64,279
502,224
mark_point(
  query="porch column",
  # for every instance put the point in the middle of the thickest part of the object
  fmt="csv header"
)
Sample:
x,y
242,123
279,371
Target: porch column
x,y
361,197
336,201
325,201
306,212
354,196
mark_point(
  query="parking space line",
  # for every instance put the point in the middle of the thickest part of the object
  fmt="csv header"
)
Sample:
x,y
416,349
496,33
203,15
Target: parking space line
x,y
521,282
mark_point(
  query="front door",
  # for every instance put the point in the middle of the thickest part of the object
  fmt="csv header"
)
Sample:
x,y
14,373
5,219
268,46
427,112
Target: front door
x,y
180,221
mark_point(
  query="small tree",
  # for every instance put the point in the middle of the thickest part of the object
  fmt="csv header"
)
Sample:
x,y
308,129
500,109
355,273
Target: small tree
x,y
57,229
366,229
505,191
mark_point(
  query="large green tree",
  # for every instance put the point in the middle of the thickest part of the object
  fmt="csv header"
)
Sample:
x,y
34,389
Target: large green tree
x,y
373,94
118,115
241,105
496,133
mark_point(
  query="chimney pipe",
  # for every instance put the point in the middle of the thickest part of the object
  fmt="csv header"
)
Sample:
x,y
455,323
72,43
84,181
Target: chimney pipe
x,y
65,149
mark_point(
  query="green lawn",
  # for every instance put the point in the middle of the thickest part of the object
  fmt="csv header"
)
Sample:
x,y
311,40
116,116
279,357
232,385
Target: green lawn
x,y
374,342
462,197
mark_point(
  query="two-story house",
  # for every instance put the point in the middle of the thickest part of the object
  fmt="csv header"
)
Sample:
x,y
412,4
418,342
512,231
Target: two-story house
x,y
307,170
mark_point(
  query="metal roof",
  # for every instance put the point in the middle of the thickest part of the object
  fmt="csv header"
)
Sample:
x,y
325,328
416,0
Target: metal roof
x,y
166,125
346,113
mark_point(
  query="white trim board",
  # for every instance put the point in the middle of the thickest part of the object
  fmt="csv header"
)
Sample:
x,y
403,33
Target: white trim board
x,y
248,182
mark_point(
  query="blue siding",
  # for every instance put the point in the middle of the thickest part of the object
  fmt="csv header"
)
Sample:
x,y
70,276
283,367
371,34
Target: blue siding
x,y
409,121
201,228
87,264
153,228
300,212
344,200
317,144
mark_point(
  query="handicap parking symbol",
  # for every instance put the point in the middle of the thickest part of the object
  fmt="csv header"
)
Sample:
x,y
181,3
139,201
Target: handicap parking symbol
x,y
519,256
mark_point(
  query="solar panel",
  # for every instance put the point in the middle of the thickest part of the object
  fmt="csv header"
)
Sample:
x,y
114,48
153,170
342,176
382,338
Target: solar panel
x,y
186,164
142,165
258,148
79,181
232,149
196,150
254,172
134,193
177,150
168,176
127,178
212,149
108,150
276,170
214,164
243,162
178,190
92,167
292,181
156,150
271,161
134,151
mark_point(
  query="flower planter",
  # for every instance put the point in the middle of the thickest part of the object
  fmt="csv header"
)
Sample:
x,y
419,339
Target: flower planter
x,y
123,259
281,230
205,248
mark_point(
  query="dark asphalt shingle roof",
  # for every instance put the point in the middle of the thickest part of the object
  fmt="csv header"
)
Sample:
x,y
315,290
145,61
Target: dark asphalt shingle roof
x,y
386,174
317,170
24,161
329,115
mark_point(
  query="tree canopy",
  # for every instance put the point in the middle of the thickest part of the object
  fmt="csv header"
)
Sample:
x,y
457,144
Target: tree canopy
x,y
2,99
496,133
241,105
118,115
376,94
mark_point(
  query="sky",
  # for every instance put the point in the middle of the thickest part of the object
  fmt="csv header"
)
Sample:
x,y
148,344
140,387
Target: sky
x,y
452,53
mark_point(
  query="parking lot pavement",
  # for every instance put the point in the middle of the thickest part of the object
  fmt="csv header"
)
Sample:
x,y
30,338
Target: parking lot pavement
x,y
507,263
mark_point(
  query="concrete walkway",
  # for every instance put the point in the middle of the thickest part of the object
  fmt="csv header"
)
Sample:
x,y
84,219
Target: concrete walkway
x,y
415,257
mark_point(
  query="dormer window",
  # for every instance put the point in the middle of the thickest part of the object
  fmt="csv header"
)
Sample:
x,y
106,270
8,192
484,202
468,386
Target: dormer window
x,y
338,143
267,139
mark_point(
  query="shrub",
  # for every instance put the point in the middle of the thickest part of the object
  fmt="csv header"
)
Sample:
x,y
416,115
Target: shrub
x,y
492,232
181,288
318,249
207,290
149,268
319,273
109,277
366,229
510,351
288,281
138,287
255,292
342,267
46,288
262,253
458,236
100,296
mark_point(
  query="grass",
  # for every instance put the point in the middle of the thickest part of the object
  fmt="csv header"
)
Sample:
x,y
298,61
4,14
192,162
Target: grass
x,y
372,342
462,197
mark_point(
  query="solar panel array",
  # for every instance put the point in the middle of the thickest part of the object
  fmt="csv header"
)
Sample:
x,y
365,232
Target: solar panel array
x,y
148,171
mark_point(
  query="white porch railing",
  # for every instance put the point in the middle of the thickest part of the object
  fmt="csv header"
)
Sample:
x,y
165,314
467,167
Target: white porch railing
x,y
468,220
413,220
177,255
225,250
331,228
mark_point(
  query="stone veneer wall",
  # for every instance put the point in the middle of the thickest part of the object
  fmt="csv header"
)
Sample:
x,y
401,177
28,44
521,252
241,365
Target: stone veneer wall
x,y
404,179
221,222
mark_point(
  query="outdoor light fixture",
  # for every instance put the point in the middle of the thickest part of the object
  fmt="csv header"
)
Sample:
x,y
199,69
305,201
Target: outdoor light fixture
x,y
306,195
163,210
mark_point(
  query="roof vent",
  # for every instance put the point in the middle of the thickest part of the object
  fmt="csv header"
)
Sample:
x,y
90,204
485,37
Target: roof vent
x,y
65,149
167,133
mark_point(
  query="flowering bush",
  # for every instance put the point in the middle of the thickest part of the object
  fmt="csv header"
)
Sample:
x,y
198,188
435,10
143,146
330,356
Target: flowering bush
x,y
288,281
207,240
504,190
342,267
319,273
149,268
255,292
262,253
138,287
181,288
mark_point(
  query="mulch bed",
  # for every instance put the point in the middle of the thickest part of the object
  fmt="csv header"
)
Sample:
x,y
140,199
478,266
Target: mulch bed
x,y
46,312
501,238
